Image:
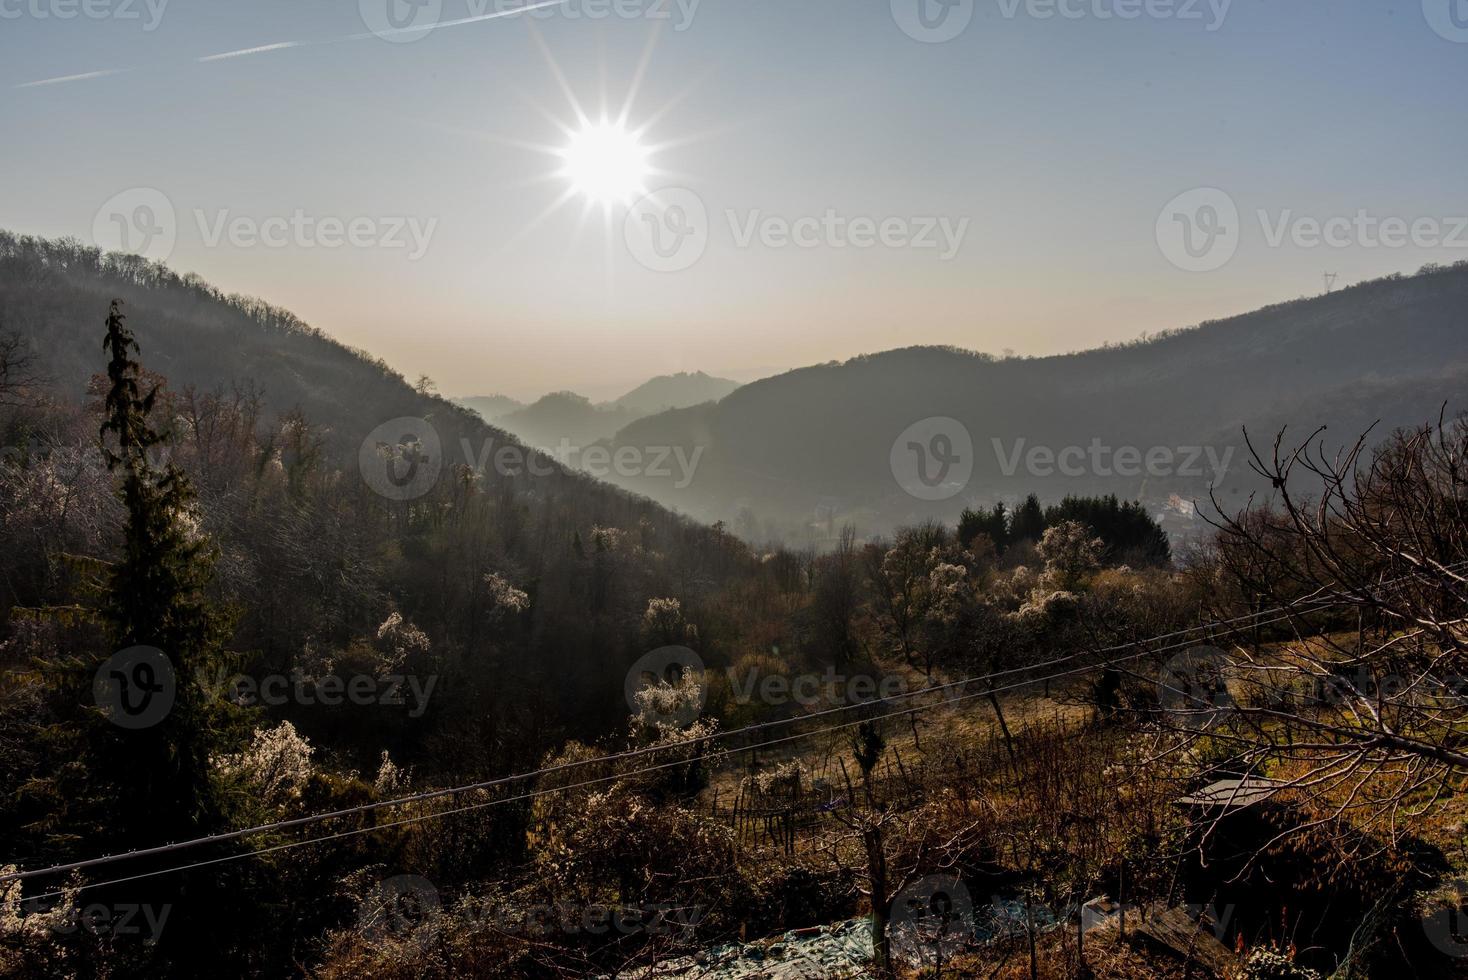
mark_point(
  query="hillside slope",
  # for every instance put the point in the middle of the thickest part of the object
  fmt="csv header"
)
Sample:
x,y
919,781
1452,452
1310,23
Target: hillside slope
x,y
337,545
819,440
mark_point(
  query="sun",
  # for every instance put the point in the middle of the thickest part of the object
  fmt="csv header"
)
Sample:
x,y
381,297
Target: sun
x,y
606,163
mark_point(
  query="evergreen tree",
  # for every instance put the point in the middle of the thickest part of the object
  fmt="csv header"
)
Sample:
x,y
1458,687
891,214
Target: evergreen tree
x,y
994,523
1130,533
155,597
158,770
1029,521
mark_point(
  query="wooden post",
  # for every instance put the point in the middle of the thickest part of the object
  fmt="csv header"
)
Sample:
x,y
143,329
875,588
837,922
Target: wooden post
x,y
1121,900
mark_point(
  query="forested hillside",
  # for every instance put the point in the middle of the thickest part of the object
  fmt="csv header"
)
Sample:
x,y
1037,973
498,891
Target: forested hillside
x,y
270,416
795,448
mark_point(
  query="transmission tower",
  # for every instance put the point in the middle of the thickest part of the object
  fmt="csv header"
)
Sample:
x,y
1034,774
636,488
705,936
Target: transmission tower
x,y
1330,278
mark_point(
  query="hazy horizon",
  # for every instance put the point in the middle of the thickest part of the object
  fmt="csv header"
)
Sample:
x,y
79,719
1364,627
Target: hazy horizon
x,y
1029,183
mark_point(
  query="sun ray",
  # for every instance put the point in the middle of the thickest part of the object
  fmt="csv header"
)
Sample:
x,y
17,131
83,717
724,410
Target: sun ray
x,y
639,73
535,222
556,72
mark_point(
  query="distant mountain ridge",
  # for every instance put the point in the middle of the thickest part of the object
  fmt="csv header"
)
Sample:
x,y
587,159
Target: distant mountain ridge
x,y
567,417
490,407
679,390
817,441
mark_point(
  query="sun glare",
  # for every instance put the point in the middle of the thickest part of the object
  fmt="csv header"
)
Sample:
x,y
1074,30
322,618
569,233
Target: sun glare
x,y
606,163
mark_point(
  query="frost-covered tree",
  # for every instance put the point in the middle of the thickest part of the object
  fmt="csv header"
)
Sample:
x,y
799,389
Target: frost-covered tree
x,y
1070,552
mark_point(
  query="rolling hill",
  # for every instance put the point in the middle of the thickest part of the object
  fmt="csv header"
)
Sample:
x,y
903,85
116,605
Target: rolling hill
x,y
816,445
566,417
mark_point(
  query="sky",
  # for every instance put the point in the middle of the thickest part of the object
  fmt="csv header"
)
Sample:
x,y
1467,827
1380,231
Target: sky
x,y
822,178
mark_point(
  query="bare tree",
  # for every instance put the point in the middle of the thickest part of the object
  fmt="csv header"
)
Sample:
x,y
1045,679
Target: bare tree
x,y
18,370
1362,710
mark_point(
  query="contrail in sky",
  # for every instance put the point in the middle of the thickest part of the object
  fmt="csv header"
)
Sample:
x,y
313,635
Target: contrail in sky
x,y
282,45
73,78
